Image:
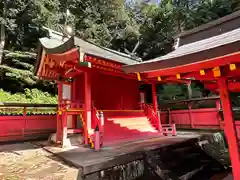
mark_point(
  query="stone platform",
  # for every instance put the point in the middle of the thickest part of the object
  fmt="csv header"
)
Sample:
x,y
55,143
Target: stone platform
x,y
88,161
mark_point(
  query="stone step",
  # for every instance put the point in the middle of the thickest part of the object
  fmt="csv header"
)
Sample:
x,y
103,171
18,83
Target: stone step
x,y
129,123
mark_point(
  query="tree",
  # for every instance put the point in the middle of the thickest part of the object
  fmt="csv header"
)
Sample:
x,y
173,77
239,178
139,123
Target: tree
x,y
2,31
23,21
110,23
107,23
209,10
17,73
156,30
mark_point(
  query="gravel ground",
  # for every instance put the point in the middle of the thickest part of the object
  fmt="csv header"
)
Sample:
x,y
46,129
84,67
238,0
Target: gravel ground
x,y
25,161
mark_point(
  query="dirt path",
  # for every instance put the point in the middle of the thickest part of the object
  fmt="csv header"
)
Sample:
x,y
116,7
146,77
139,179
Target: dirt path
x,y
25,161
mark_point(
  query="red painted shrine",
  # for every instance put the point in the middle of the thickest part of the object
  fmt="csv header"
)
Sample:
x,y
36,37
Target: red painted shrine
x,y
99,89
211,54
95,94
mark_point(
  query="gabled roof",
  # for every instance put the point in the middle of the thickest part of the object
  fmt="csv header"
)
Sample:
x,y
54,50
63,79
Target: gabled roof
x,y
55,43
202,50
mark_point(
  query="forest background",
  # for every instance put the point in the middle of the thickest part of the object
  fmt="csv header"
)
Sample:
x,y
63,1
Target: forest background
x,y
116,24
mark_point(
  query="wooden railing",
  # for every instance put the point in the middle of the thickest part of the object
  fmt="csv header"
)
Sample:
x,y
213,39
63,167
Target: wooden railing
x,y
95,118
155,118
19,121
69,104
174,104
98,125
150,114
196,113
27,109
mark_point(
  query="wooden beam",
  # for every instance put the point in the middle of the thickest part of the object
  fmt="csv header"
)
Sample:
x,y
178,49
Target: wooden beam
x,y
229,129
232,86
218,61
208,75
71,55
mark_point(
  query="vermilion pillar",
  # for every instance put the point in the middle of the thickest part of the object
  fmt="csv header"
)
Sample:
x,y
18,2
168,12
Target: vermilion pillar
x,y
155,105
229,128
73,97
59,117
87,106
64,129
154,98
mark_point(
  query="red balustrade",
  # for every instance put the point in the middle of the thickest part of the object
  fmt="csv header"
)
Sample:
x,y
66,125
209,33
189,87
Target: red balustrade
x,y
26,121
155,119
150,114
69,104
98,126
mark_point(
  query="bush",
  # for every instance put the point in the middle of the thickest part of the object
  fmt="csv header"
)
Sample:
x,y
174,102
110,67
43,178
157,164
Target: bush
x,y
33,96
29,96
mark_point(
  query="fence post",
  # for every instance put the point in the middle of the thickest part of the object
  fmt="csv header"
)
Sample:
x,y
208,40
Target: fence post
x,y
174,130
190,115
218,108
97,139
101,119
25,120
169,116
159,122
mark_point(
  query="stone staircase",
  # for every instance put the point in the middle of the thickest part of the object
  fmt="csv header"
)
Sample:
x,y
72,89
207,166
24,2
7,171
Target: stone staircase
x,y
127,129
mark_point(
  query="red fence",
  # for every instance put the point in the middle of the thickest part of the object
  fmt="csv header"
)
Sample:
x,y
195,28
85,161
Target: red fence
x,y
205,118
26,121
200,118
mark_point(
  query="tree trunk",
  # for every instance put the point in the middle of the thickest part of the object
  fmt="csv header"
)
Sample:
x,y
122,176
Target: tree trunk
x,y
2,33
189,90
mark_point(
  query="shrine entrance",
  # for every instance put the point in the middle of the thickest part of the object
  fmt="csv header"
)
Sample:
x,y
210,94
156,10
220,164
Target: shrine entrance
x,y
93,91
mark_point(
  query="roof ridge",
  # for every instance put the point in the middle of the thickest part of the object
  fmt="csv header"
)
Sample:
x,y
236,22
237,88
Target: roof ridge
x,y
104,48
111,50
209,24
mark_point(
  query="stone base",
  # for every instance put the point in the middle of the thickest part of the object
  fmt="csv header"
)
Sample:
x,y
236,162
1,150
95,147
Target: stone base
x,y
74,140
215,146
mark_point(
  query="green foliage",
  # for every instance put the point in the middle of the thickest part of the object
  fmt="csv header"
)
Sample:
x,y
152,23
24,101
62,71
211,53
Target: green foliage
x,y
178,91
33,96
114,24
106,22
207,11
17,73
29,96
156,31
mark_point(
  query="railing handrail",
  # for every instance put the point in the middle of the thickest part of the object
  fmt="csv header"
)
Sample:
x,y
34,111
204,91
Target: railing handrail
x,y
189,100
96,115
8,104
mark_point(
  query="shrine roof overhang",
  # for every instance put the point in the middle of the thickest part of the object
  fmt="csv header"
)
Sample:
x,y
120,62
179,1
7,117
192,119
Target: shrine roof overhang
x,y
207,53
210,24
55,43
